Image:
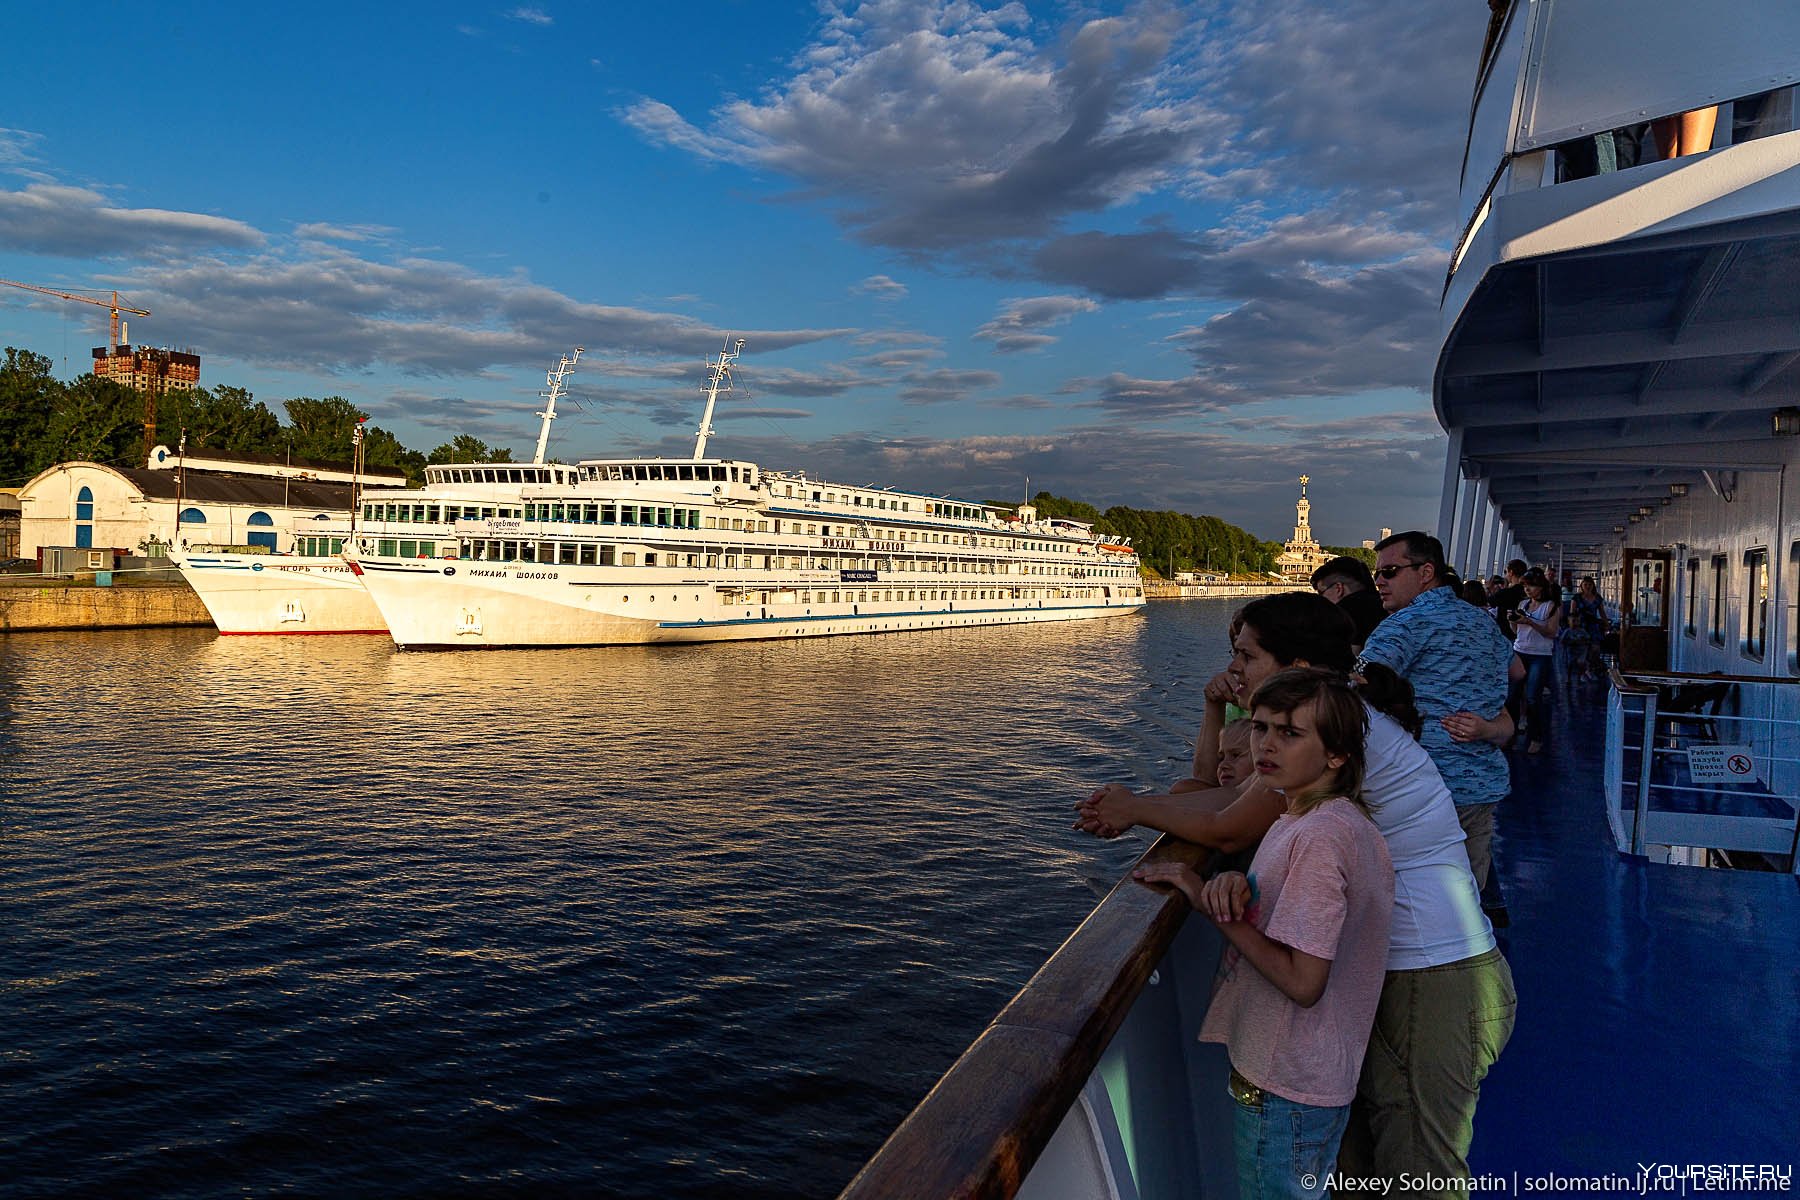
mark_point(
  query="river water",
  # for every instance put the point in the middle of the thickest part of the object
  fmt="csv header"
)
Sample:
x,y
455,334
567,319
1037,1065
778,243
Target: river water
x,y
306,916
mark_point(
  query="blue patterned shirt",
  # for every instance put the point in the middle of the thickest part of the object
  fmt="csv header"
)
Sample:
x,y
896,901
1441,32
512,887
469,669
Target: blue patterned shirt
x,y
1456,659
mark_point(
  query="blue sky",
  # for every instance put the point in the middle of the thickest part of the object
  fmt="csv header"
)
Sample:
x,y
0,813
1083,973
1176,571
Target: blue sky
x,y
1162,255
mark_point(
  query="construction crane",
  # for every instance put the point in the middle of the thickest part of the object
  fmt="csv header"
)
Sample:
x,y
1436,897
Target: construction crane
x,y
112,339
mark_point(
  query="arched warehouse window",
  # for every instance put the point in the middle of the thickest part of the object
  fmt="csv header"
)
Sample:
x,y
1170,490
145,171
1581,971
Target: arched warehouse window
x,y
261,531
192,516
84,518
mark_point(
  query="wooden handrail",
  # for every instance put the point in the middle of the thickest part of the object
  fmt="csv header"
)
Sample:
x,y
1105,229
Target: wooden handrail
x,y
979,1130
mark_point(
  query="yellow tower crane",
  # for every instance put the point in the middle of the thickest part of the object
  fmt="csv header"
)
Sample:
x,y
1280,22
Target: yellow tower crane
x,y
112,338
112,343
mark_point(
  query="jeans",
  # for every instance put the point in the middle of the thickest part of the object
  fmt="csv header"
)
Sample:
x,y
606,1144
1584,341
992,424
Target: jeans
x,y
1535,692
1285,1149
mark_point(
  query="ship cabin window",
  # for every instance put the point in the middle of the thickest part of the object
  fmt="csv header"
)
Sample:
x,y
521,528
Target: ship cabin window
x,y
1793,610
627,558
1691,625
1756,603
1716,617
566,553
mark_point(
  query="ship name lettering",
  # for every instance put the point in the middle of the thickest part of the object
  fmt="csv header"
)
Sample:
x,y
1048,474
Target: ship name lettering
x,y
488,574
839,544
538,575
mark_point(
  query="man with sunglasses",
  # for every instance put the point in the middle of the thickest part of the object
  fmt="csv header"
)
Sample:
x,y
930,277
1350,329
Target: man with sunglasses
x,y
1456,660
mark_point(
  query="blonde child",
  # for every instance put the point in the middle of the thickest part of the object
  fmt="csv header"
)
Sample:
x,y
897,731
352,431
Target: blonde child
x,y
1307,937
1234,752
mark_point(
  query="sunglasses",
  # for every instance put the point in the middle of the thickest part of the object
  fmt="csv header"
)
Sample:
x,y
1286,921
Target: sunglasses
x,y
1390,572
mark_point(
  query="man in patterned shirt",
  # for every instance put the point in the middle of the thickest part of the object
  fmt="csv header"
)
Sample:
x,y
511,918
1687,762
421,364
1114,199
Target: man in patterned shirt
x,y
1456,660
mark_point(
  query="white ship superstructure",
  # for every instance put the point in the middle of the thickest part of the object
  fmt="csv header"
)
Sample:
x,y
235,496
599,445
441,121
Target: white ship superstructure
x,y
659,550
713,549
310,589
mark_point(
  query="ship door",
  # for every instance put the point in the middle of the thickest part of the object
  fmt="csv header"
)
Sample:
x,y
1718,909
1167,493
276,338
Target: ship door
x,y
1644,638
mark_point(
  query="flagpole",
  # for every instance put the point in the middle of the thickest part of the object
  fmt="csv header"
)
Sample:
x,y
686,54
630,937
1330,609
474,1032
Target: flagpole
x,y
180,481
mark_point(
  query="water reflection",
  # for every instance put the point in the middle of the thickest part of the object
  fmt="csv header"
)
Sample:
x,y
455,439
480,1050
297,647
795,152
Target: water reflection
x,y
713,916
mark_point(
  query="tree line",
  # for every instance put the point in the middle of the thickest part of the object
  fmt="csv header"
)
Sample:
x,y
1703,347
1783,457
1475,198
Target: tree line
x,y
44,421
1171,542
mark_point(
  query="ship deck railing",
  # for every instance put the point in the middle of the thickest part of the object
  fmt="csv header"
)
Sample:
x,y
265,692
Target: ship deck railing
x,y
1657,1015
1704,763
1091,1082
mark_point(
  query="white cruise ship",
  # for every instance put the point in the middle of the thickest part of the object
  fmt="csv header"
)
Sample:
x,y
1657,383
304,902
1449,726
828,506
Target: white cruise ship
x,y
310,589
710,549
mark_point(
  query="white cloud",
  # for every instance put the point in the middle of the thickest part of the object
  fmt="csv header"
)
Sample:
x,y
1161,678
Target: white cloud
x,y
1018,324
531,16
881,287
942,126
55,219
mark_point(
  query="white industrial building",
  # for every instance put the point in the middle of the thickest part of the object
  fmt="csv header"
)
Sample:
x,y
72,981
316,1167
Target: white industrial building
x,y
194,499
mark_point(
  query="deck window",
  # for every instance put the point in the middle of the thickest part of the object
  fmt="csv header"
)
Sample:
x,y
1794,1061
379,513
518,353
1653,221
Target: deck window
x,y
1691,625
1716,617
1756,603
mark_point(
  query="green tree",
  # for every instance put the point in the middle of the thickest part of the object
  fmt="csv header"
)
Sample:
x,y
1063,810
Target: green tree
x,y
225,419
28,395
96,420
323,429
467,449
383,449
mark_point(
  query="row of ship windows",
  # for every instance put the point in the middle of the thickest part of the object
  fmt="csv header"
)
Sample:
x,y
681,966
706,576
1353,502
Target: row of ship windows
x,y
606,555
1646,590
1758,590
666,517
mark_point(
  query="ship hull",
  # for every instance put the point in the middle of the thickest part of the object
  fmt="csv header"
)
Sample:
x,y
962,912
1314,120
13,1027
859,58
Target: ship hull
x,y
280,595
463,605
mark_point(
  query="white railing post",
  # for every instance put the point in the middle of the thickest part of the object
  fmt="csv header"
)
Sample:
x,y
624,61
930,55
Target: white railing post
x,y
1645,756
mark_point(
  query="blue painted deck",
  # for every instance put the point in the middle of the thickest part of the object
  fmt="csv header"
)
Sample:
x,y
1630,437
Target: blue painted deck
x,y
1659,1007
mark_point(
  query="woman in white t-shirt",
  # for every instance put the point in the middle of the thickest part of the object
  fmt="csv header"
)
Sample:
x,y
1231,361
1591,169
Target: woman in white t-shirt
x,y
1535,623
1447,1005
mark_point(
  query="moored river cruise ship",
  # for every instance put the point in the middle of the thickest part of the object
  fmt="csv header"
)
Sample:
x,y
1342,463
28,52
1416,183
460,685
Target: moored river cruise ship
x,y
658,550
638,550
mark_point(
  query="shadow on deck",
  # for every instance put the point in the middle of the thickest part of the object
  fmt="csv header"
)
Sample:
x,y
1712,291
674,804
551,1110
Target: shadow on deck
x,y
1659,1006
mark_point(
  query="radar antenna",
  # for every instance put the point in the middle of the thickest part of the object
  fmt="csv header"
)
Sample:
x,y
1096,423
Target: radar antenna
x,y
720,382
554,378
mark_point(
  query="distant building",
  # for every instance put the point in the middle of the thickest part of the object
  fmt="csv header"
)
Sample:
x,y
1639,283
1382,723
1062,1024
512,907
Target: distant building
x,y
9,523
1301,555
147,368
1370,543
223,500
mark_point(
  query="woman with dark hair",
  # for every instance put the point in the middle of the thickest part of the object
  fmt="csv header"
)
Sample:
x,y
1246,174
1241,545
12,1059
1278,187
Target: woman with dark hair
x,y
1447,1004
1535,623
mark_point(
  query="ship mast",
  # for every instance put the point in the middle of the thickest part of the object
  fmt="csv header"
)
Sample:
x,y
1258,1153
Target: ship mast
x,y
720,382
555,379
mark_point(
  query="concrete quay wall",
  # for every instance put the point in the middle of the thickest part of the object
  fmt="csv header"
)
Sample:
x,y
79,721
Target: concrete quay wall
x,y
77,606
1212,591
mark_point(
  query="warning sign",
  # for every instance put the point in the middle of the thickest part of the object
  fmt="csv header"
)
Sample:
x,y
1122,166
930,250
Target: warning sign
x,y
1722,764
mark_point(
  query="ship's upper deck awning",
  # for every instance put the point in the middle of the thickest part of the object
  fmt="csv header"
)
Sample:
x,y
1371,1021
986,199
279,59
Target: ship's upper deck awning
x,y
1586,382
1608,336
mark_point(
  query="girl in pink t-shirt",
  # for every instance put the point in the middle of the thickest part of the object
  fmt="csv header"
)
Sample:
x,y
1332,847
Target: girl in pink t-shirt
x,y
1307,937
